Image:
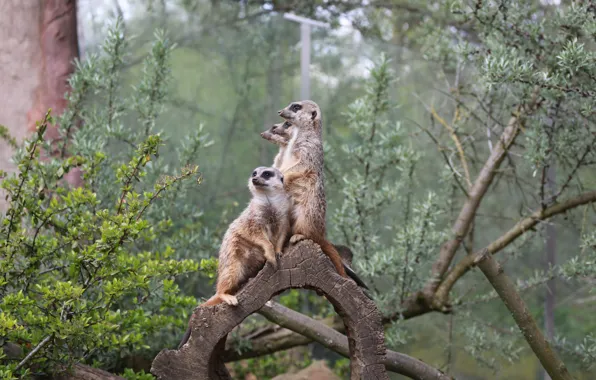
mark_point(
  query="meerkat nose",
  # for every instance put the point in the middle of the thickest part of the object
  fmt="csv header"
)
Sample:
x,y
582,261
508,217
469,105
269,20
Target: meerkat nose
x,y
255,180
279,112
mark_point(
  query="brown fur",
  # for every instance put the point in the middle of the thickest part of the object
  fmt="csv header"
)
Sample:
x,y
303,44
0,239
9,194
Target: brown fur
x,y
255,237
303,169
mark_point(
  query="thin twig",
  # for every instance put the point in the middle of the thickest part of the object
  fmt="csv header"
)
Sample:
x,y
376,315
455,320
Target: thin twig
x,y
33,352
458,145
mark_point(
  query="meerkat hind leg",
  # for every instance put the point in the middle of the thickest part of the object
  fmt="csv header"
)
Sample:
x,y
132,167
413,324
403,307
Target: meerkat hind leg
x,y
296,238
269,249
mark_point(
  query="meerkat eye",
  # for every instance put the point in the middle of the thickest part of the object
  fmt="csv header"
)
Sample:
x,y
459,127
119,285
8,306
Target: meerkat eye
x,y
254,174
267,174
281,179
295,107
286,125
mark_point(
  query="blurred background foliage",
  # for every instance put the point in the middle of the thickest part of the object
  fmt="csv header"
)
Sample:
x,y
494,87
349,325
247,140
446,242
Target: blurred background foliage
x,y
422,73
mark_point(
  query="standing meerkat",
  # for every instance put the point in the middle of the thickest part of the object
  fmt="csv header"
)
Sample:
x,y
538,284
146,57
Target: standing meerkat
x,y
280,135
303,170
255,237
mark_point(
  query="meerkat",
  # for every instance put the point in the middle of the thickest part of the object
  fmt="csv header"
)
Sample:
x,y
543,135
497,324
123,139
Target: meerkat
x,y
279,134
303,170
255,237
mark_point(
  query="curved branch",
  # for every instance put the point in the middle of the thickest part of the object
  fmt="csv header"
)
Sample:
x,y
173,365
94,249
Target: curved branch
x,y
468,211
468,262
506,290
302,266
336,341
266,345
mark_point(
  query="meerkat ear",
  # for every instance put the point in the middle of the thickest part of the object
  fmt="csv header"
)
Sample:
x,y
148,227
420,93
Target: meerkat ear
x,y
282,180
314,114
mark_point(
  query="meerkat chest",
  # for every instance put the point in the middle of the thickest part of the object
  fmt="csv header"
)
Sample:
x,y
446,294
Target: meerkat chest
x,y
289,158
274,218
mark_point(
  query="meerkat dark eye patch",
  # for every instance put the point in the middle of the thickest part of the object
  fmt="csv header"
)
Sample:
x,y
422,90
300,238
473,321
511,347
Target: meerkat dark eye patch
x,y
254,174
314,114
286,125
267,174
295,107
282,179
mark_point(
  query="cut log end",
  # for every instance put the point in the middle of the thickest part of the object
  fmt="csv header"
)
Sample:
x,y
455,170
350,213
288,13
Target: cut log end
x,y
301,266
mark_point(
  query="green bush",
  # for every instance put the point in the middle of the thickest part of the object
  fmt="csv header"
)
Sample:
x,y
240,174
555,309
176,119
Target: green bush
x,y
88,273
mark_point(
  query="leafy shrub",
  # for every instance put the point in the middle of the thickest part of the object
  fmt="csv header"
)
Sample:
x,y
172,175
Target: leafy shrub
x,y
88,273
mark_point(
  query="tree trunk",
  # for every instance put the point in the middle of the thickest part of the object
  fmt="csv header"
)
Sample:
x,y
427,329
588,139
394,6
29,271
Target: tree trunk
x,y
19,58
39,44
59,46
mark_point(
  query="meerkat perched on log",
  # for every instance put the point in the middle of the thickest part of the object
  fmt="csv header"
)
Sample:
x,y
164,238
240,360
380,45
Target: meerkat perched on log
x,y
255,237
303,170
280,135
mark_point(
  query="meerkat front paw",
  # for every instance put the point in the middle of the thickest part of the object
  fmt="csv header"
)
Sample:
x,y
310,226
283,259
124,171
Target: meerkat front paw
x,y
296,238
277,256
229,299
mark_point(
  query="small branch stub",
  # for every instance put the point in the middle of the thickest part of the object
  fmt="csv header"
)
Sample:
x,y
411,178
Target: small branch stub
x,y
301,266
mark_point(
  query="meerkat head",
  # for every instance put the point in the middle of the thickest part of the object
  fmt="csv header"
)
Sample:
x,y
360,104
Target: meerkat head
x,y
280,129
283,129
278,133
302,114
265,180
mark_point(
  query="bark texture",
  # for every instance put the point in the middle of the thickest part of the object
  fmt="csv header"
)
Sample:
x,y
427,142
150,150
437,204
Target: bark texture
x,y
302,266
59,46
83,372
19,58
39,44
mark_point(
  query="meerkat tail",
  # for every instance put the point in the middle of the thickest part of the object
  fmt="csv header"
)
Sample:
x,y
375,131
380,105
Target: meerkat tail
x,y
184,338
350,272
333,255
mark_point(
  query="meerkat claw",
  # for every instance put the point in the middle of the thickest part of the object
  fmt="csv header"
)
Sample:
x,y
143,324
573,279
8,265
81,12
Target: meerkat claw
x,y
296,238
229,299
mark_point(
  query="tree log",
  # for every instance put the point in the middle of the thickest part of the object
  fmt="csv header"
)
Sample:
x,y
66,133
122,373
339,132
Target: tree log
x,y
83,372
302,266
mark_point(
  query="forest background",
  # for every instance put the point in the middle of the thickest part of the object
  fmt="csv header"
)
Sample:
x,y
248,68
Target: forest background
x,y
417,99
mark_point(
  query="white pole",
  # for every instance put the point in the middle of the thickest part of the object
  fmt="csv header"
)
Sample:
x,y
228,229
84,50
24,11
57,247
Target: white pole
x,y
305,24
305,61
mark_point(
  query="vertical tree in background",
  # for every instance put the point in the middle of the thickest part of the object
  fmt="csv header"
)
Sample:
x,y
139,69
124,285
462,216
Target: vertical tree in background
x,y
59,46
36,57
19,57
